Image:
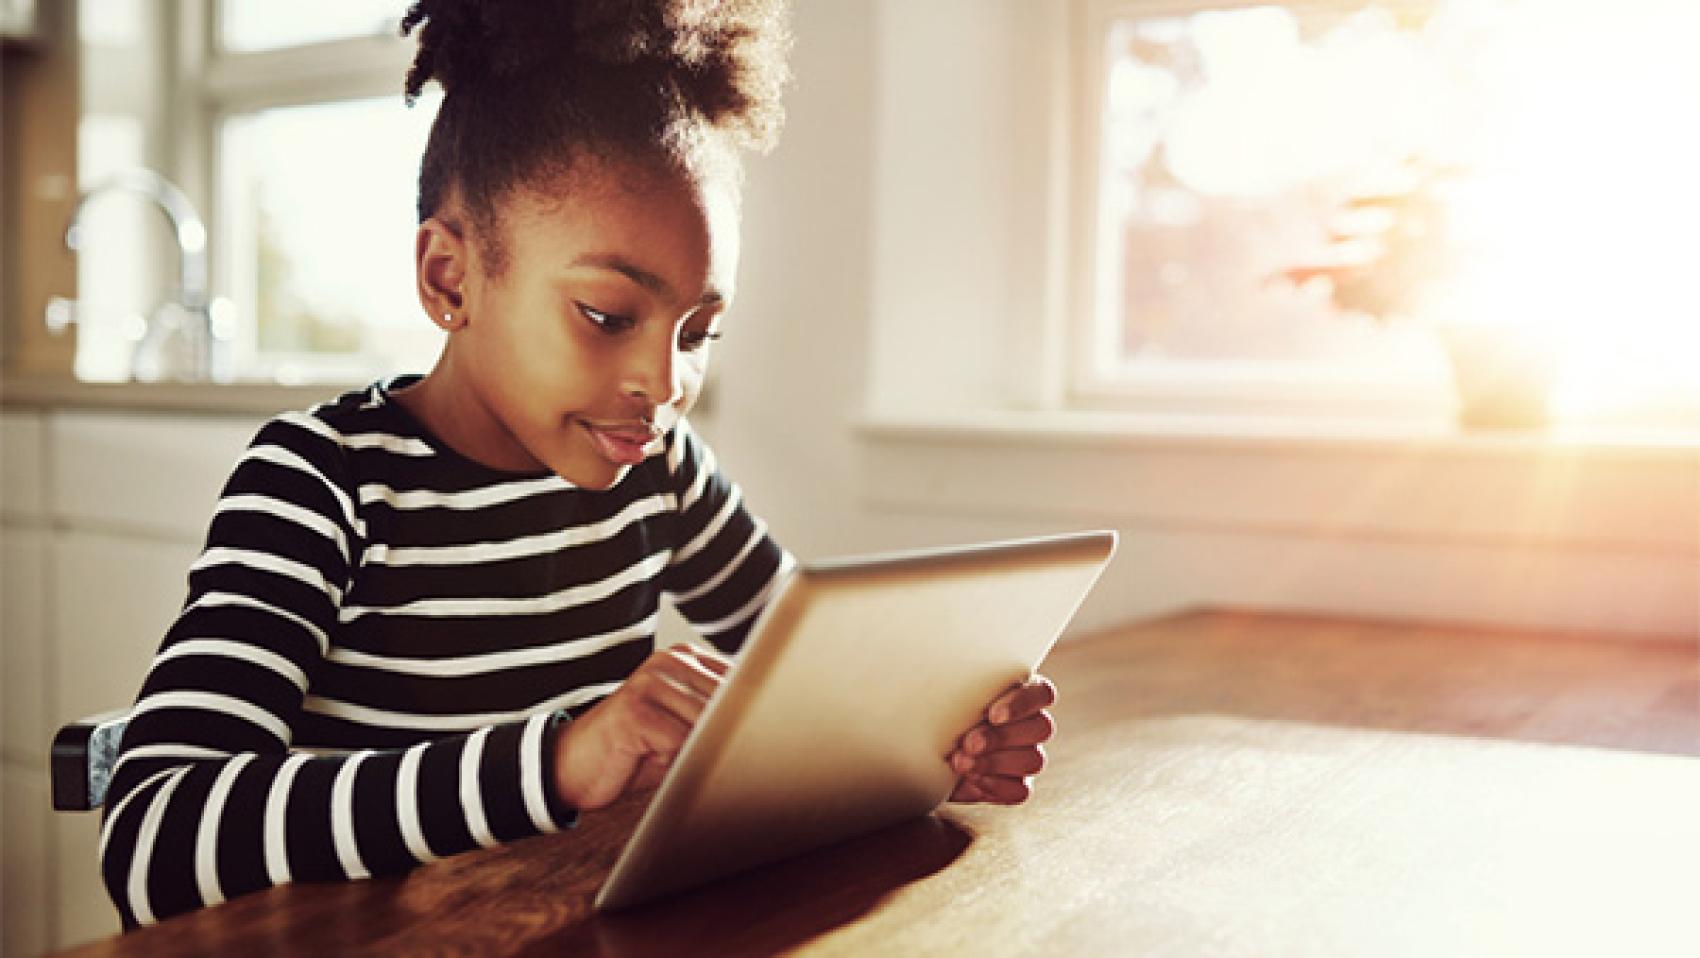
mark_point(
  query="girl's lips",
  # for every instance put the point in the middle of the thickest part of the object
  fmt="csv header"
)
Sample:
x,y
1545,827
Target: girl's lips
x,y
621,446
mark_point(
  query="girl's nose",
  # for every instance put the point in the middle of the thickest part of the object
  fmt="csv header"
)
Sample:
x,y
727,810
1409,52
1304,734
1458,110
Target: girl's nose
x,y
654,374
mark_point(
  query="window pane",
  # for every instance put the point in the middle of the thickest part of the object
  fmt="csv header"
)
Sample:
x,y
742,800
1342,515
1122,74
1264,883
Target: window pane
x,y
118,268
319,210
1229,135
248,25
1315,186
127,264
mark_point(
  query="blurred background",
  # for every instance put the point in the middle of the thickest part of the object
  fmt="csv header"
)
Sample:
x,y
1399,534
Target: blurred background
x,y
1383,310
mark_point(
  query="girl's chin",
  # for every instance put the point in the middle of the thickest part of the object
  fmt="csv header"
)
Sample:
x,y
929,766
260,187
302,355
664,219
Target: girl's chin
x,y
596,475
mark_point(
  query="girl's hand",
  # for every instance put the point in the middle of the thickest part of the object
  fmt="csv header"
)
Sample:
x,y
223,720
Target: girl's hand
x,y
627,741
998,757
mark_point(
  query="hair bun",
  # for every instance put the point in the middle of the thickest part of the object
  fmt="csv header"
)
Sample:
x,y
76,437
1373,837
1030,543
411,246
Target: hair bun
x,y
684,33
725,58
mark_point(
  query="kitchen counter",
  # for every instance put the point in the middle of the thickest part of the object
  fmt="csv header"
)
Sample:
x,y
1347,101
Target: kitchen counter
x,y
234,399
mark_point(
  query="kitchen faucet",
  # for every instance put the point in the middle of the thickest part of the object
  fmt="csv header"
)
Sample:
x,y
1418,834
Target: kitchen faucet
x,y
182,339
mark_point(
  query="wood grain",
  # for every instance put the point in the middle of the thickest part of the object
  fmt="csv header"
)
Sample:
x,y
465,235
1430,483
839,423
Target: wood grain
x,y
1224,782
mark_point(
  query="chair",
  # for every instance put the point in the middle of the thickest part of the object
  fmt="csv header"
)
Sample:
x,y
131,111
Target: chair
x,y
84,753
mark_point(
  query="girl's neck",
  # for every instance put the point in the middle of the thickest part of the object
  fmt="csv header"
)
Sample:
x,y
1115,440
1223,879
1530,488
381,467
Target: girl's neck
x,y
457,417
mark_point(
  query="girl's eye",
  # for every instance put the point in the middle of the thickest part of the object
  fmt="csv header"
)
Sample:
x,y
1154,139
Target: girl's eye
x,y
607,322
697,339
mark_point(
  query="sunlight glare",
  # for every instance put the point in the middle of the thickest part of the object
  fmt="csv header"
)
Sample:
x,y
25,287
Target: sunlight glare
x,y
1581,221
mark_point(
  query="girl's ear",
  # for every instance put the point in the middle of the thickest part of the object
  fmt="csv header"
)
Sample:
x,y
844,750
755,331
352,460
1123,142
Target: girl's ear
x,y
440,264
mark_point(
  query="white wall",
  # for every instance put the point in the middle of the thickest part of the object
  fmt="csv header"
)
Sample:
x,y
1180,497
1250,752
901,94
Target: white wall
x,y
905,252
838,233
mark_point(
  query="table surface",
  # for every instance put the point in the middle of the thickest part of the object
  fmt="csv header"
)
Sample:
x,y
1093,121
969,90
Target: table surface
x,y
1223,782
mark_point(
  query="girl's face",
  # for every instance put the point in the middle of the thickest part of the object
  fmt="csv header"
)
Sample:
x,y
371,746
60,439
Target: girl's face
x,y
594,339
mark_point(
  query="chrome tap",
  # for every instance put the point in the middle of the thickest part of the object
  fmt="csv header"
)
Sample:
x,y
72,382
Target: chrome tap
x,y
182,339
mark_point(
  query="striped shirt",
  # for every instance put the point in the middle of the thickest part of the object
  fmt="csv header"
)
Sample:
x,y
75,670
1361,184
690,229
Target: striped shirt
x,y
424,619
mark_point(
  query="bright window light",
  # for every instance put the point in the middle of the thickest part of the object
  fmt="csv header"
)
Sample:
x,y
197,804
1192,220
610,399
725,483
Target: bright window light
x,y
319,211
1554,141
252,25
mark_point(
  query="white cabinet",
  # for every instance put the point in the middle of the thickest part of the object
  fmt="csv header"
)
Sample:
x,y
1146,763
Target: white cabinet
x,y
23,481
23,653
101,514
26,926
152,477
113,597
25,896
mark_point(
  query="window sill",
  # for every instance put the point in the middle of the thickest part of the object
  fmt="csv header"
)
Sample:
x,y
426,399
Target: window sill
x,y
1052,429
1412,483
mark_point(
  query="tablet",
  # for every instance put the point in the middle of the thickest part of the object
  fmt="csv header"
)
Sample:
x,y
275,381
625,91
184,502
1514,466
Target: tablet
x,y
837,717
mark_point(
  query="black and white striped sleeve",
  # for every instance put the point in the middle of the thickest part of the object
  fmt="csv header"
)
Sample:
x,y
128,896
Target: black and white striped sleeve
x,y
724,566
207,801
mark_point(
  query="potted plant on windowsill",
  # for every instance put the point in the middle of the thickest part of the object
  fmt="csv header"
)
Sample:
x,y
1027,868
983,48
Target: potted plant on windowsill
x,y
1394,252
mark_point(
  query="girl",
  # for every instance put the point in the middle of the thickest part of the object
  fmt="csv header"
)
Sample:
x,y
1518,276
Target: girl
x,y
453,581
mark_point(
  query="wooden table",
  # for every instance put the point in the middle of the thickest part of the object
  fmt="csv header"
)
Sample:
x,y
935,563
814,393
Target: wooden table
x,y
1225,783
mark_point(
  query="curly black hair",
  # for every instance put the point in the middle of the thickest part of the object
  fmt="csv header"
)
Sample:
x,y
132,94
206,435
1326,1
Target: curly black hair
x,y
532,86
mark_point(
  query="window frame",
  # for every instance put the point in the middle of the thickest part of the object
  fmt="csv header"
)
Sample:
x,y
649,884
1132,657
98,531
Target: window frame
x,y
1274,389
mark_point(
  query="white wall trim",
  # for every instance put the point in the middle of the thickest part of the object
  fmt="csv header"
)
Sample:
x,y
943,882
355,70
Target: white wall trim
x,y
1076,427
1388,513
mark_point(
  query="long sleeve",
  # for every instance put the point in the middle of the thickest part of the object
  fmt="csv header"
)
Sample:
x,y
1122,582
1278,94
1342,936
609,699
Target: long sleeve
x,y
207,801
725,567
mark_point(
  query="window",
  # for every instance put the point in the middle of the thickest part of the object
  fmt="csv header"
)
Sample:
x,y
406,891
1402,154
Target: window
x,y
1288,200
317,208
315,162
246,26
285,124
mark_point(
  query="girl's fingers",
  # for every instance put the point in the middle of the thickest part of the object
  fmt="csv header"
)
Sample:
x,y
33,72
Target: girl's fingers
x,y
689,666
1032,730
670,693
997,757
678,680
1025,699
999,790
662,722
649,774
967,791
628,741
709,658
1011,762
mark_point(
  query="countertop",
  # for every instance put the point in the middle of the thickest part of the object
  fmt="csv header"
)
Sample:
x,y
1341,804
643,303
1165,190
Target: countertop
x,y
217,399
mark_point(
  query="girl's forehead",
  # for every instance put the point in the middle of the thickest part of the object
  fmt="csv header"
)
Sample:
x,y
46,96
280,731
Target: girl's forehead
x,y
687,222
636,186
